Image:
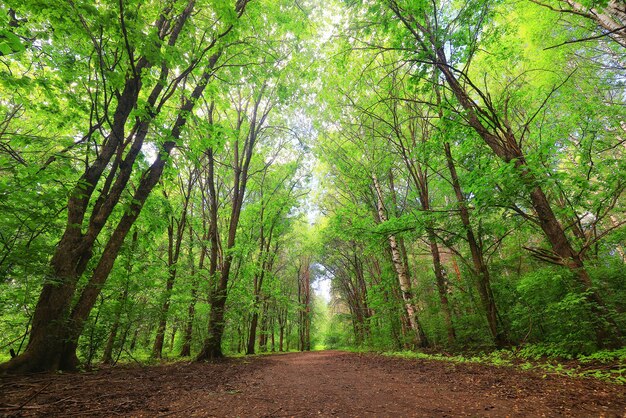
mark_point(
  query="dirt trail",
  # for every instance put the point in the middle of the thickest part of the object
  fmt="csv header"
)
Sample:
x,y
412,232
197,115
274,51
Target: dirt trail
x,y
320,384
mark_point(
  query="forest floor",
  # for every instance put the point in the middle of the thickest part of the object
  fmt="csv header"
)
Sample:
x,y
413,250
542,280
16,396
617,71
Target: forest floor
x,y
321,384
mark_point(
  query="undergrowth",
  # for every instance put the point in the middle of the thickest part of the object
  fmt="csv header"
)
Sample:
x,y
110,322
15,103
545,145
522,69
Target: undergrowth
x,y
606,365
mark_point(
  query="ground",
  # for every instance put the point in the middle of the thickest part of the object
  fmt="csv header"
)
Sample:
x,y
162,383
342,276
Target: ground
x,y
320,384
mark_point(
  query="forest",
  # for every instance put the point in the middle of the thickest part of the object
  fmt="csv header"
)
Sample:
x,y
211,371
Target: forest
x,y
199,179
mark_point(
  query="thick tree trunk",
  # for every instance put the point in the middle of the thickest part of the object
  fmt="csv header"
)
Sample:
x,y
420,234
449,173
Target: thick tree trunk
x,y
212,348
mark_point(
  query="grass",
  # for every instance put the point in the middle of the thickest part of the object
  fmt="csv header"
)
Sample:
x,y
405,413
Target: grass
x,y
607,365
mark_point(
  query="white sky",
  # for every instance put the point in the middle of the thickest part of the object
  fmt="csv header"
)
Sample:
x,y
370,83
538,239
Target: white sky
x,y
321,287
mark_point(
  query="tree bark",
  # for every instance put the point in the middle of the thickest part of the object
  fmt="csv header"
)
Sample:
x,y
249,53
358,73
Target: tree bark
x,y
402,273
481,271
185,350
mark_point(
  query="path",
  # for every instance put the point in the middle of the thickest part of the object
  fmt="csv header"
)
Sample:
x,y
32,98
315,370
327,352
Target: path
x,y
320,384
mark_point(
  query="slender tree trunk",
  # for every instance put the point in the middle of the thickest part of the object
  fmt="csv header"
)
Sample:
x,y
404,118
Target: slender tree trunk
x,y
402,273
252,335
480,268
173,336
419,175
212,348
175,233
185,350
282,323
442,285
133,342
272,335
107,357
263,331
157,349
306,308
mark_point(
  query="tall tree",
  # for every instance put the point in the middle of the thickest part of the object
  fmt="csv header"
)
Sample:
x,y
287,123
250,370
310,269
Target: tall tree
x,y
495,128
57,324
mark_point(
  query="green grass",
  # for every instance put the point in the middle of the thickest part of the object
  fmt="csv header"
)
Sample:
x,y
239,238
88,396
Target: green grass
x,y
608,365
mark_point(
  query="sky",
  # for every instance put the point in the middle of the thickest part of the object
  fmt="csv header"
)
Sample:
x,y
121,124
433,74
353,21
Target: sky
x,y
321,287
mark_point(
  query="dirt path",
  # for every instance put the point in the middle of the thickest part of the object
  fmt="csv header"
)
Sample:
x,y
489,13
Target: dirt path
x,y
320,384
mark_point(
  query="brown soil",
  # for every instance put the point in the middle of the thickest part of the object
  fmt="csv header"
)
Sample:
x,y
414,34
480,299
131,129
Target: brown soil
x,y
320,384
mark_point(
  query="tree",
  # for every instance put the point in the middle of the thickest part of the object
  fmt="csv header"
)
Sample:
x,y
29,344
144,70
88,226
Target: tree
x,y
57,324
499,134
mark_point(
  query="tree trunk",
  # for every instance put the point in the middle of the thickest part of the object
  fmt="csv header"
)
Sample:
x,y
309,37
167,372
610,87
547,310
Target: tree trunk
x,y
173,336
263,332
175,239
442,285
481,270
107,357
402,273
252,336
272,335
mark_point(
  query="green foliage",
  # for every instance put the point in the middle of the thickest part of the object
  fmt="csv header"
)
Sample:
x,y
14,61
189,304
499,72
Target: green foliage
x,y
529,360
322,130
